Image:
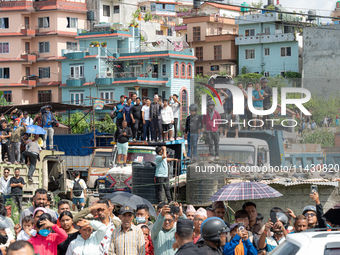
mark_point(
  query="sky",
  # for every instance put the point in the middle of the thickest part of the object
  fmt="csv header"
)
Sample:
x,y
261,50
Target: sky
x,y
323,7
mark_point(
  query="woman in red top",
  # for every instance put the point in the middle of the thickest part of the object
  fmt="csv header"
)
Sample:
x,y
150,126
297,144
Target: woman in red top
x,y
45,242
148,241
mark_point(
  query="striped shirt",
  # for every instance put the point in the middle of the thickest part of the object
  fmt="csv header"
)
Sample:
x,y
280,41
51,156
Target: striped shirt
x,y
130,242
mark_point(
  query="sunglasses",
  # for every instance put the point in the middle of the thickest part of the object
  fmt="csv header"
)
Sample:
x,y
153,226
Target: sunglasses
x,y
310,214
168,220
6,172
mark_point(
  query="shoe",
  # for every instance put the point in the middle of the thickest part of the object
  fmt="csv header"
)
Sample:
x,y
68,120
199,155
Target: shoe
x,y
172,139
211,159
124,164
134,139
30,179
16,163
217,158
8,163
118,164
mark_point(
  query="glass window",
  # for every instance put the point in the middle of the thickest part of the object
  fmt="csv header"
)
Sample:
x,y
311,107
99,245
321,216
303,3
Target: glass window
x,y
44,22
71,45
4,73
189,70
286,248
199,70
8,95
44,96
4,47
286,51
197,33
177,69
72,22
106,10
163,69
116,9
184,105
4,23
199,53
107,95
249,32
44,47
217,52
183,70
44,72
77,72
250,54
266,51
77,98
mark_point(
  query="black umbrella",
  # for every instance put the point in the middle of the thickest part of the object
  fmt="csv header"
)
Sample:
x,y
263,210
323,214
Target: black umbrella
x,y
333,215
128,199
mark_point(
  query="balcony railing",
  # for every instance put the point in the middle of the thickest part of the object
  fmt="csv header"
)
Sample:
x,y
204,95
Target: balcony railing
x,y
59,4
265,39
135,75
29,55
31,80
16,4
75,81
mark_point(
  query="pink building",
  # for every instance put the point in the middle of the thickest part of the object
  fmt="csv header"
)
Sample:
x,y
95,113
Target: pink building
x,y
32,35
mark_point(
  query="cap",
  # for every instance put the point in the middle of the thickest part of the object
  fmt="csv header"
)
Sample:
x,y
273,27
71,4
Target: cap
x,y
17,119
155,96
125,209
190,209
232,226
39,209
184,224
201,211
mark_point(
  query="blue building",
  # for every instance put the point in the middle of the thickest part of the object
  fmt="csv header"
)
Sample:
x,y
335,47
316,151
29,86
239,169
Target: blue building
x,y
268,43
121,68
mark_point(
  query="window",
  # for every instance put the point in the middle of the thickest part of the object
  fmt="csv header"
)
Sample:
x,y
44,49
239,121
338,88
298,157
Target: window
x,y
266,51
266,74
44,72
44,22
249,32
116,9
4,23
163,69
197,33
77,98
282,74
215,68
199,70
267,30
77,72
286,51
44,96
107,95
184,104
8,95
71,45
218,52
183,70
143,8
199,53
163,94
4,47
106,10
189,71
159,32
176,70
4,73
250,54
44,47
72,22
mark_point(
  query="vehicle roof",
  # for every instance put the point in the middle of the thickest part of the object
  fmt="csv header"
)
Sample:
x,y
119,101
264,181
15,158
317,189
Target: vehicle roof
x,y
306,237
242,141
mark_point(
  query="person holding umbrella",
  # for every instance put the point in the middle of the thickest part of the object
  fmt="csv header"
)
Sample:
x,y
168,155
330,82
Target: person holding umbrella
x,y
32,153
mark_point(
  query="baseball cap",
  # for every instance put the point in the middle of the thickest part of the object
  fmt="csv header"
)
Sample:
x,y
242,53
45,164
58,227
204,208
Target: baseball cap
x,y
232,226
125,209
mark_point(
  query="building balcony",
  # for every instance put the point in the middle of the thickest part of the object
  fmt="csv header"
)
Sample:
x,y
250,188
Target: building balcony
x,y
29,30
198,18
30,80
130,77
246,40
79,6
29,56
16,5
74,54
257,18
180,28
75,81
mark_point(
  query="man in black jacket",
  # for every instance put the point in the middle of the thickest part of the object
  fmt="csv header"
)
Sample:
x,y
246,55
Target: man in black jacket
x,y
136,117
156,119
123,136
193,126
183,235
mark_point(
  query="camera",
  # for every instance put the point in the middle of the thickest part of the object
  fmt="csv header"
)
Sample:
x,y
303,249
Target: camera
x,y
241,226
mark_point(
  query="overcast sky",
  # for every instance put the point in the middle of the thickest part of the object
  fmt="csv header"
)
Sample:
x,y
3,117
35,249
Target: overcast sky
x,y
323,7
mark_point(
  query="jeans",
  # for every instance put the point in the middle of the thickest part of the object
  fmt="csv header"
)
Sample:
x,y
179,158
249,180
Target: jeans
x,y
49,133
135,127
193,144
15,148
146,128
162,181
156,125
175,127
213,139
4,149
33,161
17,199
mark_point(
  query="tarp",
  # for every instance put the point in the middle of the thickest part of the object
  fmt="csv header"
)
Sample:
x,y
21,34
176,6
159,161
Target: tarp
x,y
73,145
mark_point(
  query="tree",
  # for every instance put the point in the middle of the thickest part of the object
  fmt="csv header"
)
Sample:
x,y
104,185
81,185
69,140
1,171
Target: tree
x,y
78,123
257,5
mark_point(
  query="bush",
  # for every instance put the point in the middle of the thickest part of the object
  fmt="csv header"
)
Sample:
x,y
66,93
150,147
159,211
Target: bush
x,y
323,137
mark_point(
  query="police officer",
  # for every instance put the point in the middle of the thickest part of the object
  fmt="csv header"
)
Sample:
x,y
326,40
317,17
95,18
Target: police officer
x,y
214,232
184,236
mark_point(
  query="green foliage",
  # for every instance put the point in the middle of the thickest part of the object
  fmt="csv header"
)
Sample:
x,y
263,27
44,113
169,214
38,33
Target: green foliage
x,y
106,125
292,75
271,7
323,137
82,127
147,16
244,70
3,101
15,215
55,200
257,5
320,106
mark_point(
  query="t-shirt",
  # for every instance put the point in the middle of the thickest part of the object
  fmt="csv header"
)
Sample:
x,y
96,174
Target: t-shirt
x,y
146,110
16,190
82,184
258,103
4,132
175,109
126,110
271,243
48,120
136,111
161,166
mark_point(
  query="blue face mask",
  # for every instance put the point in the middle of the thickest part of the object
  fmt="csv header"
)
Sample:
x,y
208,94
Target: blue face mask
x,y
44,232
140,219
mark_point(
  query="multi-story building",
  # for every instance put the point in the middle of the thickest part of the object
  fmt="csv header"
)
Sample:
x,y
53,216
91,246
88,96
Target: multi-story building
x,y
336,13
121,68
32,35
268,43
213,38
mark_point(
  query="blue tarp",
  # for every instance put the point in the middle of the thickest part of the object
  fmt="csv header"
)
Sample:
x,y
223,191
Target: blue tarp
x,y
73,145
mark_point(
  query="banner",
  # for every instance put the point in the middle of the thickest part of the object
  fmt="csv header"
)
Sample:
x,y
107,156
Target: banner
x,y
98,104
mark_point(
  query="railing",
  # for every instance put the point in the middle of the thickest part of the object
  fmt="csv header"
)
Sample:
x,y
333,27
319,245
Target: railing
x,y
29,52
81,6
69,77
10,4
117,75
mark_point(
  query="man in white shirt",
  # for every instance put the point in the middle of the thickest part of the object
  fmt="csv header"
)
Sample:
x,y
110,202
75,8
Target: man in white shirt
x,y
5,187
175,106
26,119
167,120
146,119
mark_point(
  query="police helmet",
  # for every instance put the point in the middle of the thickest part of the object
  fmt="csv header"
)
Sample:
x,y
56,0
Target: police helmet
x,y
212,228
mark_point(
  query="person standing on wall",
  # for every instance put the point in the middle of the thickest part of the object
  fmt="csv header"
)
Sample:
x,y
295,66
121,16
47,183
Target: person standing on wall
x,y
17,183
175,106
48,122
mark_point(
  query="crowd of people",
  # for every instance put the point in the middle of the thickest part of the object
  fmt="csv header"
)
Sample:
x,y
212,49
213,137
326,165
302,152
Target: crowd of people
x,y
104,229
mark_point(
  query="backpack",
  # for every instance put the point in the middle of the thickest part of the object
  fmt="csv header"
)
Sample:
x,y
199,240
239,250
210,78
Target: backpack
x,y
77,188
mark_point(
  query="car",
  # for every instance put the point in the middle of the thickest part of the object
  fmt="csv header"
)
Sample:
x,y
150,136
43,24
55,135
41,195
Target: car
x,y
310,242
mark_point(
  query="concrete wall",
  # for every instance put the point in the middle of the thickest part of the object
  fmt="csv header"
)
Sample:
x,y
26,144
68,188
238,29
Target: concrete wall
x,y
320,59
295,198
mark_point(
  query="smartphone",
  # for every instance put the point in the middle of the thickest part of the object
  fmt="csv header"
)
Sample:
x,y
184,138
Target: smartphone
x,y
313,188
174,209
240,226
273,217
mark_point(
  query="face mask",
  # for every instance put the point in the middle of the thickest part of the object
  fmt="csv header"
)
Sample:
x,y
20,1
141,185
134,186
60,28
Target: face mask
x,y
44,232
47,111
140,219
3,239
